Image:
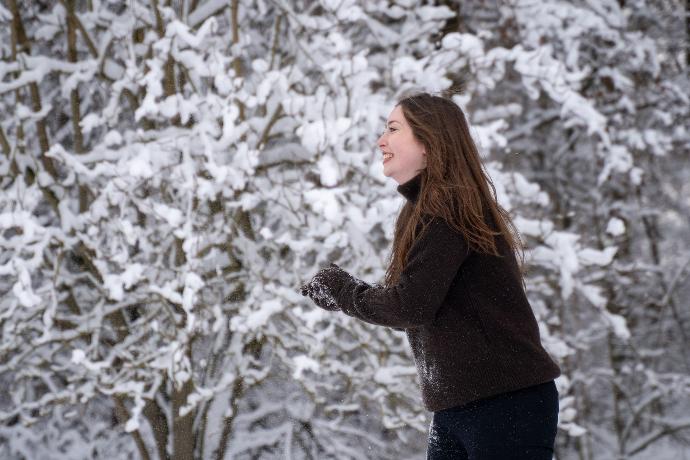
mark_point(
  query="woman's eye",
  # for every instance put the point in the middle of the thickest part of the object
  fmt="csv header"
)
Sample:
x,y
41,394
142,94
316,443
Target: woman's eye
x,y
390,130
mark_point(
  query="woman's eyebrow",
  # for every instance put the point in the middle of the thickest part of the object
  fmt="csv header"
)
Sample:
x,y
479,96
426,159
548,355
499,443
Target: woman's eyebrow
x,y
392,121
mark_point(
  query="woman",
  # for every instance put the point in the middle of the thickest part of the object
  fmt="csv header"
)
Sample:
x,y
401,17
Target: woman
x,y
455,287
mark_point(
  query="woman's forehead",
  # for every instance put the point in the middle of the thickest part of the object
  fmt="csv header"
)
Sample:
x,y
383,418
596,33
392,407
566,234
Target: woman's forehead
x,y
395,115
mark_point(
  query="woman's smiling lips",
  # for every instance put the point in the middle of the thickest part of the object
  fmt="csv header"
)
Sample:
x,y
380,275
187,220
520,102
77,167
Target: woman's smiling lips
x,y
387,156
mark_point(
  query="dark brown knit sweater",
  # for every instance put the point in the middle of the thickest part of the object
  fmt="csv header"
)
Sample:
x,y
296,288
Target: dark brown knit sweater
x,y
466,315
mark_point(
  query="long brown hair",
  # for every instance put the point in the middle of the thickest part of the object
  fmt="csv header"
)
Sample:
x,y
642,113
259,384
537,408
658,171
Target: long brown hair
x,y
454,185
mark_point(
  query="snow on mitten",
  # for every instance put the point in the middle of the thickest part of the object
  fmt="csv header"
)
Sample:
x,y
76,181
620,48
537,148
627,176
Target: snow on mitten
x,y
323,287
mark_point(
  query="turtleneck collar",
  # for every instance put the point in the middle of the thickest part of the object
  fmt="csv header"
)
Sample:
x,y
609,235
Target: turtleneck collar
x,y
410,189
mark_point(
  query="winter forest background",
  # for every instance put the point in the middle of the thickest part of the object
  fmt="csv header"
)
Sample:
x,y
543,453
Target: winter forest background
x,y
172,171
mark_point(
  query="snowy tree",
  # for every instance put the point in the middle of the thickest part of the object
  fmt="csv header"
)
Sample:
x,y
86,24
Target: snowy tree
x,y
173,171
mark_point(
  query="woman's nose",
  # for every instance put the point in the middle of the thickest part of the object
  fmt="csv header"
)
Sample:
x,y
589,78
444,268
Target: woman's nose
x,y
381,141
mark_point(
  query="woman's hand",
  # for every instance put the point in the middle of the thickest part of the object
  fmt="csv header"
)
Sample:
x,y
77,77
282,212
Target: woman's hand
x,y
322,288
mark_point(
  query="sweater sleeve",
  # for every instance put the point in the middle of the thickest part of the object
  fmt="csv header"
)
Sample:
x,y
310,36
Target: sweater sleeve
x,y
432,264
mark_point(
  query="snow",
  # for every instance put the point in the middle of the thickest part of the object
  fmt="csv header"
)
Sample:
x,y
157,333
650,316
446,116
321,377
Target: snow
x,y
319,134
303,363
223,83
205,10
560,252
322,295
431,13
594,294
325,203
167,291
329,171
5,14
172,216
78,356
406,68
22,289
390,375
615,227
112,139
618,159
140,166
310,317
192,284
489,136
363,222
181,31
468,45
300,408
256,319
618,324
117,283
603,257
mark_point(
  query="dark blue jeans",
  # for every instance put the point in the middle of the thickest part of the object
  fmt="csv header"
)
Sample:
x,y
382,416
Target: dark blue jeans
x,y
511,426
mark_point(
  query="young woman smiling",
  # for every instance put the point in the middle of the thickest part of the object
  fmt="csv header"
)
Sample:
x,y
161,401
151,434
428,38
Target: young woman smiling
x,y
455,286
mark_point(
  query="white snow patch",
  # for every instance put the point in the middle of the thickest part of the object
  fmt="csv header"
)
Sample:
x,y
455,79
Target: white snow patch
x,y
590,256
258,318
329,171
302,363
391,374
615,227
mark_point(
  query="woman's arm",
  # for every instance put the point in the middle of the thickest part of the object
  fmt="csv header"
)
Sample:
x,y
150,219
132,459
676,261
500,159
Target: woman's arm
x,y
432,265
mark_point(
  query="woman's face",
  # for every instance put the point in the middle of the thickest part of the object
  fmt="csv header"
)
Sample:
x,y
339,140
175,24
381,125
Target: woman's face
x,y
408,156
